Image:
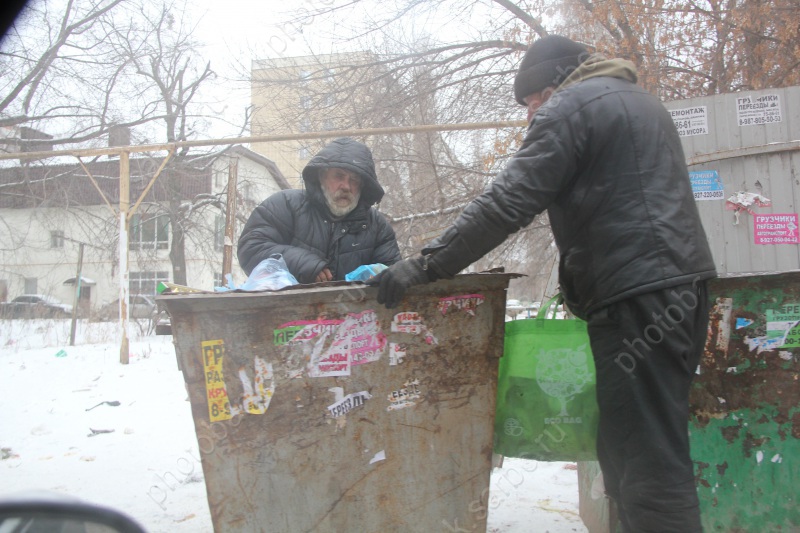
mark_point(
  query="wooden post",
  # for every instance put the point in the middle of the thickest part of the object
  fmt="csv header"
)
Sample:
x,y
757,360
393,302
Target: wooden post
x,y
230,219
76,298
124,204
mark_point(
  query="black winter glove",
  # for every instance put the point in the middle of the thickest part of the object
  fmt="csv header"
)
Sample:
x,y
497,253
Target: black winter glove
x,y
395,280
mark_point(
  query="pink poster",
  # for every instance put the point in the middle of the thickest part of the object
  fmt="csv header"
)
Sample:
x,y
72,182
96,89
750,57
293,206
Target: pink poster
x,y
775,228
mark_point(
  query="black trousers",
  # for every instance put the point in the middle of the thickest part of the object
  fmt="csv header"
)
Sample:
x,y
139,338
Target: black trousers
x,y
646,350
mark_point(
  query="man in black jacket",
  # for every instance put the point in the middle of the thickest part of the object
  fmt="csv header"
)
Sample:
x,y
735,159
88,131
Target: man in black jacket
x,y
329,229
604,158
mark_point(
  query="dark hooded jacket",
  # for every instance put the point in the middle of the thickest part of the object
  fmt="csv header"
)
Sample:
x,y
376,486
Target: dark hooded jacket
x,y
298,224
604,158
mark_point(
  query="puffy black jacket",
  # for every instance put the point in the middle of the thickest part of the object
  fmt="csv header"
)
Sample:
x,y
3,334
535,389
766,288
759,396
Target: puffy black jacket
x,y
299,225
604,158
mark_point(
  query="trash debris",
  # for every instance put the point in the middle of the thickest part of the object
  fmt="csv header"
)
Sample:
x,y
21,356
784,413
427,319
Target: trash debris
x,y
365,272
173,288
113,403
61,353
742,201
95,432
7,453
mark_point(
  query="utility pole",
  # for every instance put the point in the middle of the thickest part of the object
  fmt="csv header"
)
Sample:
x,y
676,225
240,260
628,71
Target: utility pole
x,y
76,298
124,205
230,219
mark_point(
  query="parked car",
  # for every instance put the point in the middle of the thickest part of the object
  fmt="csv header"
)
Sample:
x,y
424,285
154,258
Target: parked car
x,y
35,306
139,306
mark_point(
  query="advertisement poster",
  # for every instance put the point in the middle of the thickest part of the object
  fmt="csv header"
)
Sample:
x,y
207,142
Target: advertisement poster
x,y
691,120
706,185
755,110
775,228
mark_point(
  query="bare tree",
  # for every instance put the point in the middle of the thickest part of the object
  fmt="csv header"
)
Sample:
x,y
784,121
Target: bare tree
x,y
681,48
53,65
76,74
165,76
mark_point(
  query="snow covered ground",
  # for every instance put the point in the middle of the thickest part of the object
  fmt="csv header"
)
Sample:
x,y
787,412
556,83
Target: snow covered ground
x,y
75,421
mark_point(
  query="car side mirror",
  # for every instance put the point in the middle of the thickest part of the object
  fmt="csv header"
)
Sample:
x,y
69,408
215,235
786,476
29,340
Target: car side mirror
x,y
44,512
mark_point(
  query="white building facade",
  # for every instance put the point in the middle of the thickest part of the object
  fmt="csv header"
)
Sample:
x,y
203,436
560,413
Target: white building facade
x,y
49,212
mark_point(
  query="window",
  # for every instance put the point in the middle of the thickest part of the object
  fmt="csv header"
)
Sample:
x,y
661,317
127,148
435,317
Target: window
x,y
31,286
305,125
149,232
56,238
146,282
303,153
305,102
218,281
219,232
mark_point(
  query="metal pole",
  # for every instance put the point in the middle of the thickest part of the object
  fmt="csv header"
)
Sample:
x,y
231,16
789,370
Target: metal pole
x,y
230,219
124,204
76,297
312,135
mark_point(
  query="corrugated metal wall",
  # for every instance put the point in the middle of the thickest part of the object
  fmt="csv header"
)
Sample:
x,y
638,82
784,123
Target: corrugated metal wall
x,y
752,140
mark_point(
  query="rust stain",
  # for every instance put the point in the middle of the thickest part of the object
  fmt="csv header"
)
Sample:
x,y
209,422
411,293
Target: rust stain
x,y
740,378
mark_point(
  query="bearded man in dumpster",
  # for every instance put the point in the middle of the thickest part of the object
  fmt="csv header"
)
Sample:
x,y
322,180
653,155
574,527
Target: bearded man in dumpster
x,y
329,229
605,159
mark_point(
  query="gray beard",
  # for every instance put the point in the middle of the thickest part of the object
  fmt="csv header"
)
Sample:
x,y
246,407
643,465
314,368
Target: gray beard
x,y
340,211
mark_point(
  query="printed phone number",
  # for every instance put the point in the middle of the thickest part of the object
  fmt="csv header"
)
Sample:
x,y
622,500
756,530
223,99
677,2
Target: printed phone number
x,y
750,121
779,240
791,340
709,194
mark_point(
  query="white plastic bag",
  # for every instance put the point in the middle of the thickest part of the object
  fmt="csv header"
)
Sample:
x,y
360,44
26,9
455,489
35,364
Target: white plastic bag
x,y
269,275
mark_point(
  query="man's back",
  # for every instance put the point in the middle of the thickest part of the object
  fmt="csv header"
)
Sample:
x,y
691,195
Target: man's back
x,y
627,222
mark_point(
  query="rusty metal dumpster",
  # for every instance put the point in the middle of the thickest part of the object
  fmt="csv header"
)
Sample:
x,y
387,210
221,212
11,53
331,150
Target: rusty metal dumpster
x,y
745,426
745,419
316,409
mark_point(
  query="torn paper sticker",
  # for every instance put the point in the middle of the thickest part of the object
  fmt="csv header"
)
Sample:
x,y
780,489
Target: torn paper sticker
x,y
257,396
299,342
402,398
411,322
782,325
367,341
397,352
744,201
743,322
380,456
303,330
331,347
348,403
329,359
724,307
763,344
467,303
213,353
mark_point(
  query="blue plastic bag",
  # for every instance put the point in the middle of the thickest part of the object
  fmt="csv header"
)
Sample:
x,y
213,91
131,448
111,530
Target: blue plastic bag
x,y
364,272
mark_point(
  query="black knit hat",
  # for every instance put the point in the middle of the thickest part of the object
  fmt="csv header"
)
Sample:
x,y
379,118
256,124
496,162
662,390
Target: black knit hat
x,y
547,63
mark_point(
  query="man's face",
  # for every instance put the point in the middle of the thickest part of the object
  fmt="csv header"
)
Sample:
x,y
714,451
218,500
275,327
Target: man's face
x,y
534,101
342,189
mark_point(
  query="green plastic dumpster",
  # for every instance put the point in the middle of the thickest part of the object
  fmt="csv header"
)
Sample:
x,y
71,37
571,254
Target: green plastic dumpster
x,y
316,409
745,412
